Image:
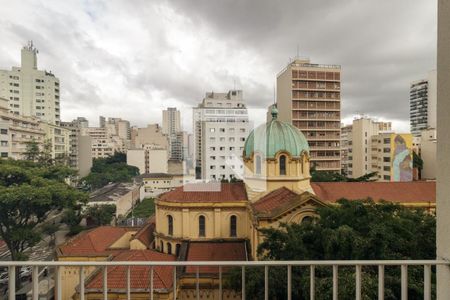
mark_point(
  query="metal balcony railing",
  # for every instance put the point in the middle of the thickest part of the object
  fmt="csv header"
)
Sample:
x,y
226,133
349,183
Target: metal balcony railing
x,y
335,265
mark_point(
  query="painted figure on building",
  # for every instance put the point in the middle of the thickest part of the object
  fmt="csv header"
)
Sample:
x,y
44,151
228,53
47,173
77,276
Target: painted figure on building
x,y
402,162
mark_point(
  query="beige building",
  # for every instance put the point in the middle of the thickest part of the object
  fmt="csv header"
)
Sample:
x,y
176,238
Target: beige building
x,y
80,152
358,140
150,135
16,131
31,92
391,156
309,97
428,148
59,139
104,141
149,159
171,121
154,184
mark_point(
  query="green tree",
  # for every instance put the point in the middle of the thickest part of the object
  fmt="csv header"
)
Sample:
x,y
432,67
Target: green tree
x,y
108,170
144,209
330,176
29,192
351,230
101,214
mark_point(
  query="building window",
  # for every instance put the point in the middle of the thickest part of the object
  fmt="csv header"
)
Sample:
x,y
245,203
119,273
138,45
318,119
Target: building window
x,y
233,226
258,165
169,248
177,249
282,165
162,246
170,225
307,219
4,131
201,226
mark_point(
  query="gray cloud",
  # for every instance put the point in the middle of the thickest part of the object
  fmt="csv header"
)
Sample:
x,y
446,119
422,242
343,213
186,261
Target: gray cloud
x,y
132,58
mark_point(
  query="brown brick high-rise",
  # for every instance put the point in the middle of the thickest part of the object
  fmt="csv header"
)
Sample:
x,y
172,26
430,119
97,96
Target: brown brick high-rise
x,y
309,96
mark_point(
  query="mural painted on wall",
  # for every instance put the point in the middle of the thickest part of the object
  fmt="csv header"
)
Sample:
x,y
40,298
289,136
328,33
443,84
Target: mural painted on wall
x,y
402,160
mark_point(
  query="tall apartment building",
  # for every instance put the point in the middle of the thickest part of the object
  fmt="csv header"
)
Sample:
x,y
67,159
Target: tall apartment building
x,y
121,127
358,140
105,141
149,159
16,131
31,92
59,140
391,156
80,153
221,126
150,135
422,95
171,121
309,97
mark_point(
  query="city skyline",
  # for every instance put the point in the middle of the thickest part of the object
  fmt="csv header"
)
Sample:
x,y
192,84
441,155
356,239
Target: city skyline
x,y
101,62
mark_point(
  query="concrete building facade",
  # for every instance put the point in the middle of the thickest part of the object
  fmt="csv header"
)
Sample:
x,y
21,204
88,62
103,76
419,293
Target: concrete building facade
x,y
423,97
59,141
149,159
80,152
17,131
221,125
309,97
428,150
31,92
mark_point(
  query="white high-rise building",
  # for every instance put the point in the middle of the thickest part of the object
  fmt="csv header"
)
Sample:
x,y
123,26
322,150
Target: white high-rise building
x,y
422,97
31,92
171,123
221,126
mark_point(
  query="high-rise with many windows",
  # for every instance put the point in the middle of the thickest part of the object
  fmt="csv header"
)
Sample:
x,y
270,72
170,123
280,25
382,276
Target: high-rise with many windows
x,y
309,97
422,103
31,92
220,127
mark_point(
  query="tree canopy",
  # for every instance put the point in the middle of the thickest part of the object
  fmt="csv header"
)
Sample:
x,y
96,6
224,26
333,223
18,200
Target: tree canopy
x,y
110,169
351,230
100,214
330,176
29,193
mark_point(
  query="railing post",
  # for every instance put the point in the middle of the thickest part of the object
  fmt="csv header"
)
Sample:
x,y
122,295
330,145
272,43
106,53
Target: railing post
x,y
81,283
128,283
197,284
35,279
220,282
266,282
358,282
58,283
151,282
289,282
335,282
404,279
312,282
174,283
243,283
427,282
380,282
12,282
105,283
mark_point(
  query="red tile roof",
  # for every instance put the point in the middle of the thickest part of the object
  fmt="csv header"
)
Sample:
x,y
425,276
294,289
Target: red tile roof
x,y
206,192
92,242
215,251
402,192
145,234
274,199
139,275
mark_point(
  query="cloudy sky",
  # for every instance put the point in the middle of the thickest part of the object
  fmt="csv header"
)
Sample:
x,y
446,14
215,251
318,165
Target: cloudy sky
x,y
131,59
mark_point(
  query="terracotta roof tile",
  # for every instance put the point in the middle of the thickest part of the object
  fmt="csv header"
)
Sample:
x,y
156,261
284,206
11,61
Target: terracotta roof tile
x,y
145,234
402,192
215,251
274,200
93,242
205,192
139,275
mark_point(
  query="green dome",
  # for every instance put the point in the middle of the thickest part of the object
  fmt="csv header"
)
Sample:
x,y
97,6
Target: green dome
x,y
275,136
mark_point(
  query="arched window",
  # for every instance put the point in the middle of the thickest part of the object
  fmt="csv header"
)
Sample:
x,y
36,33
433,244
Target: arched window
x,y
258,165
233,226
162,246
201,226
170,225
282,165
307,219
177,249
169,248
